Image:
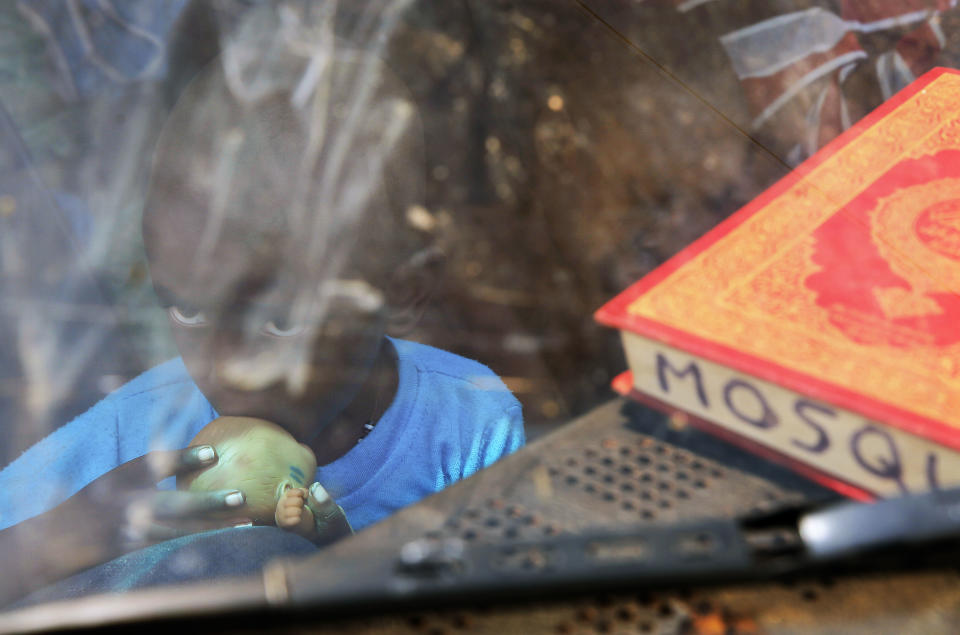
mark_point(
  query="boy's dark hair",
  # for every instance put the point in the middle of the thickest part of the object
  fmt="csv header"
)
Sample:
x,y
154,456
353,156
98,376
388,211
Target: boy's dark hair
x,y
323,159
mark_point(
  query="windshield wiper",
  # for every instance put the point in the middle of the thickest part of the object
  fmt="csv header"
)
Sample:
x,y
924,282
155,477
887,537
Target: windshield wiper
x,y
907,533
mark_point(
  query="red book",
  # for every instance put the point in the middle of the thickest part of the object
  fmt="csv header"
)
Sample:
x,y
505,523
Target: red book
x,y
820,324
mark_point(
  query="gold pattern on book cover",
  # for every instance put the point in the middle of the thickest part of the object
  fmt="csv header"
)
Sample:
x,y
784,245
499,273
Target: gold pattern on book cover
x,y
747,292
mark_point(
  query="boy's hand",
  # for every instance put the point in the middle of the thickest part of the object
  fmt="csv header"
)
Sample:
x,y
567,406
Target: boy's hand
x,y
119,512
329,522
147,515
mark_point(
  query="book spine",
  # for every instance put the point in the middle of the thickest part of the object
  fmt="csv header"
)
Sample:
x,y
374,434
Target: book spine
x,y
879,459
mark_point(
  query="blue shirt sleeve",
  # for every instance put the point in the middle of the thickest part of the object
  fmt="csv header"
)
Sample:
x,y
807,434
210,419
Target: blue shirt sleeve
x,y
60,465
161,409
500,437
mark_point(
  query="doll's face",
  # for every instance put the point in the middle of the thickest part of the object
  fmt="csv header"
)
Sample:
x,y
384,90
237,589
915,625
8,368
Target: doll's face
x,y
261,335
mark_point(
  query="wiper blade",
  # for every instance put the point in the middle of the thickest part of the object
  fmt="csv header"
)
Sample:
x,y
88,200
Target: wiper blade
x,y
911,532
849,529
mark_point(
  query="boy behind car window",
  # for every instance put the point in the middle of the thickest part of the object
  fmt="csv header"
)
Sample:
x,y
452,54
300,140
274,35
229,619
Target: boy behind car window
x,y
277,240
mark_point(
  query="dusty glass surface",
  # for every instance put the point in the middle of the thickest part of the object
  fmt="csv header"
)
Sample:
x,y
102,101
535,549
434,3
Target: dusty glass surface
x,y
307,176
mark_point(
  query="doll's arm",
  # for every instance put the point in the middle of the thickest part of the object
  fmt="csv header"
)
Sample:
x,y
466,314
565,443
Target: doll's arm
x,y
293,514
312,514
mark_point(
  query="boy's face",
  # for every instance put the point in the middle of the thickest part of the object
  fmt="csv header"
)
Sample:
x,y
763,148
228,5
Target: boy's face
x,y
253,208
260,334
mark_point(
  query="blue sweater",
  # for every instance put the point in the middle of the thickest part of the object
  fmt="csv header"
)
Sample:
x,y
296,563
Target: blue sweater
x,y
451,417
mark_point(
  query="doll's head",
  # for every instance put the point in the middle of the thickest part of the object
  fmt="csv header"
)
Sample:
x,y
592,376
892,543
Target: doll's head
x,y
255,456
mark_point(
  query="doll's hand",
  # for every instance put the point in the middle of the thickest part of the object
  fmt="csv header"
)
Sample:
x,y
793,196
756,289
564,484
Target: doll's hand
x,y
290,508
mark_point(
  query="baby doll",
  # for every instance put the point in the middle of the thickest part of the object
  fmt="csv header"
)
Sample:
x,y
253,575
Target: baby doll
x,y
271,468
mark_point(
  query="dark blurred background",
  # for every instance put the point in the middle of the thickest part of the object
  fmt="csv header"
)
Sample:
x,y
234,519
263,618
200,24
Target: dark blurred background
x,y
571,148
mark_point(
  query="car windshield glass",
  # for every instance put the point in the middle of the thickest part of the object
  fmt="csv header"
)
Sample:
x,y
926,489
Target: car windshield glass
x,y
272,272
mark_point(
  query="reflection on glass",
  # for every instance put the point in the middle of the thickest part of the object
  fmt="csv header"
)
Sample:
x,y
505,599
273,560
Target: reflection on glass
x,y
278,237
316,214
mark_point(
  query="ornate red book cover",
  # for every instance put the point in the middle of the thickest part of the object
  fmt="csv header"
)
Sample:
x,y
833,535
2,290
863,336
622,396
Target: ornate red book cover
x,y
840,282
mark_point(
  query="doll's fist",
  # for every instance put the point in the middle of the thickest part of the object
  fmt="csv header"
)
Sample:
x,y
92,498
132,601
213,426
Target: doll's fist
x,y
290,508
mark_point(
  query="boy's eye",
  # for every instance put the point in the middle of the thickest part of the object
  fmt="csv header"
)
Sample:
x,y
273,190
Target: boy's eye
x,y
187,317
280,328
